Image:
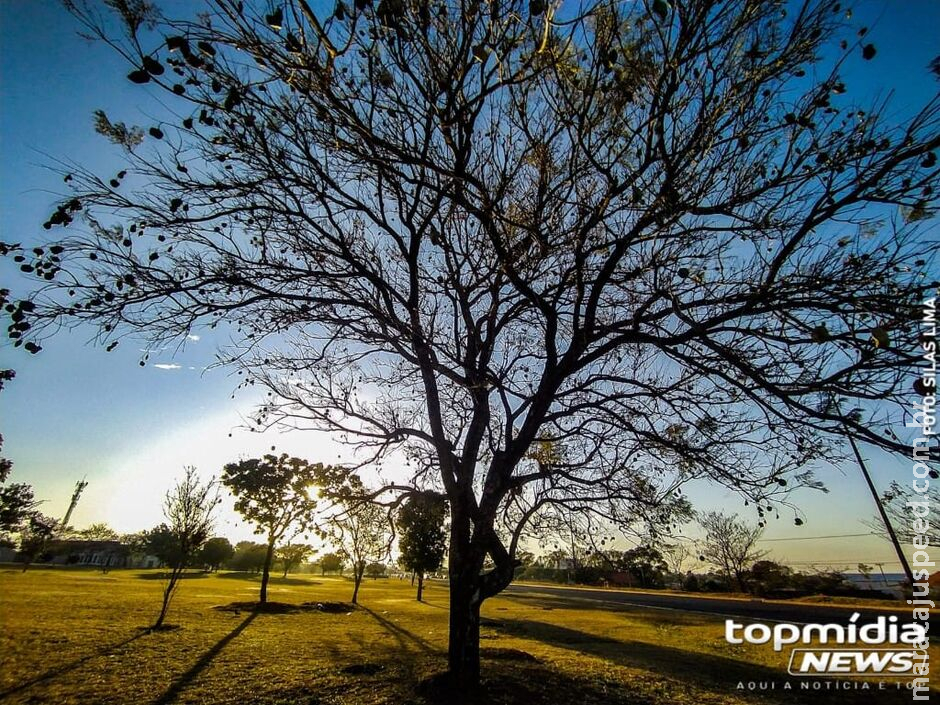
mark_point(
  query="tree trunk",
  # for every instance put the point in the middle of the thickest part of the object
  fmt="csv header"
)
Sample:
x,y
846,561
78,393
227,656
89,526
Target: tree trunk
x,y
420,585
463,653
357,580
175,574
465,562
412,578
266,572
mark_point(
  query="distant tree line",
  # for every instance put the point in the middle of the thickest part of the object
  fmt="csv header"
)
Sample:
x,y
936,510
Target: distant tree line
x,y
728,553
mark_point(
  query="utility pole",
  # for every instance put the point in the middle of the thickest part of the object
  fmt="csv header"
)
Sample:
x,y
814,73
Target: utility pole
x,y
902,558
79,488
884,578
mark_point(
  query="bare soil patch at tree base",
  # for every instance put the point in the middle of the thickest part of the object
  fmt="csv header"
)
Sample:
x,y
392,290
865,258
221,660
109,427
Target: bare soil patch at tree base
x,y
162,628
286,607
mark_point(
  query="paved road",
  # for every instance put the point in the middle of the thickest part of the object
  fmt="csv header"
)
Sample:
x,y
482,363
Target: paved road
x,y
751,610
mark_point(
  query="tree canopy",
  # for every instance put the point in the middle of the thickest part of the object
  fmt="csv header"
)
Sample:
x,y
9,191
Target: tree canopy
x,y
277,495
292,555
331,562
249,556
36,532
422,540
646,565
731,545
215,552
98,531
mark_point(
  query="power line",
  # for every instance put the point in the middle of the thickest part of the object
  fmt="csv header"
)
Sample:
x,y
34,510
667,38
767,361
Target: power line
x,y
845,561
809,538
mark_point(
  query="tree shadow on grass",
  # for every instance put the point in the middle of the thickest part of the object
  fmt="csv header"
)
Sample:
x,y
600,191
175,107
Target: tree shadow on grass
x,y
402,635
575,602
162,575
272,607
71,665
426,603
418,679
177,687
515,683
273,580
718,674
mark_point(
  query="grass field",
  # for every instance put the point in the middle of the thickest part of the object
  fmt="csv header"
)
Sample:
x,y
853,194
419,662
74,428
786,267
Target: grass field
x,y
76,636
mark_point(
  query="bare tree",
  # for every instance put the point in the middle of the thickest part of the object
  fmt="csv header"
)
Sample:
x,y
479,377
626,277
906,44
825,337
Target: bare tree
x,y
361,534
676,555
731,545
903,506
556,258
188,508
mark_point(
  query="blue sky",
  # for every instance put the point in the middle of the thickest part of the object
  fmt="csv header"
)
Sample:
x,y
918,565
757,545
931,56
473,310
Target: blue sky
x,y
75,411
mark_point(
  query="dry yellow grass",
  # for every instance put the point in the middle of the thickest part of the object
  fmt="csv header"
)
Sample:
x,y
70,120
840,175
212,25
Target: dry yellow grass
x,y
74,636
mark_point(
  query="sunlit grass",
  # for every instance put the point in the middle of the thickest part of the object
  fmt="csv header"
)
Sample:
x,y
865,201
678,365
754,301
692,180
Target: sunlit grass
x,y
75,636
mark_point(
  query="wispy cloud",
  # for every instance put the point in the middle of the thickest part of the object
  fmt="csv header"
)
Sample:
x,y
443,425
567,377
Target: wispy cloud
x,y
193,338
166,366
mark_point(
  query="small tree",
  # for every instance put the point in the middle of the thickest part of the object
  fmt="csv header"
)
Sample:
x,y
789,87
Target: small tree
x,y
249,556
188,508
361,534
35,535
820,582
17,505
765,577
731,546
215,552
903,505
646,565
676,555
376,569
136,543
273,493
422,523
331,563
98,532
161,542
293,554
